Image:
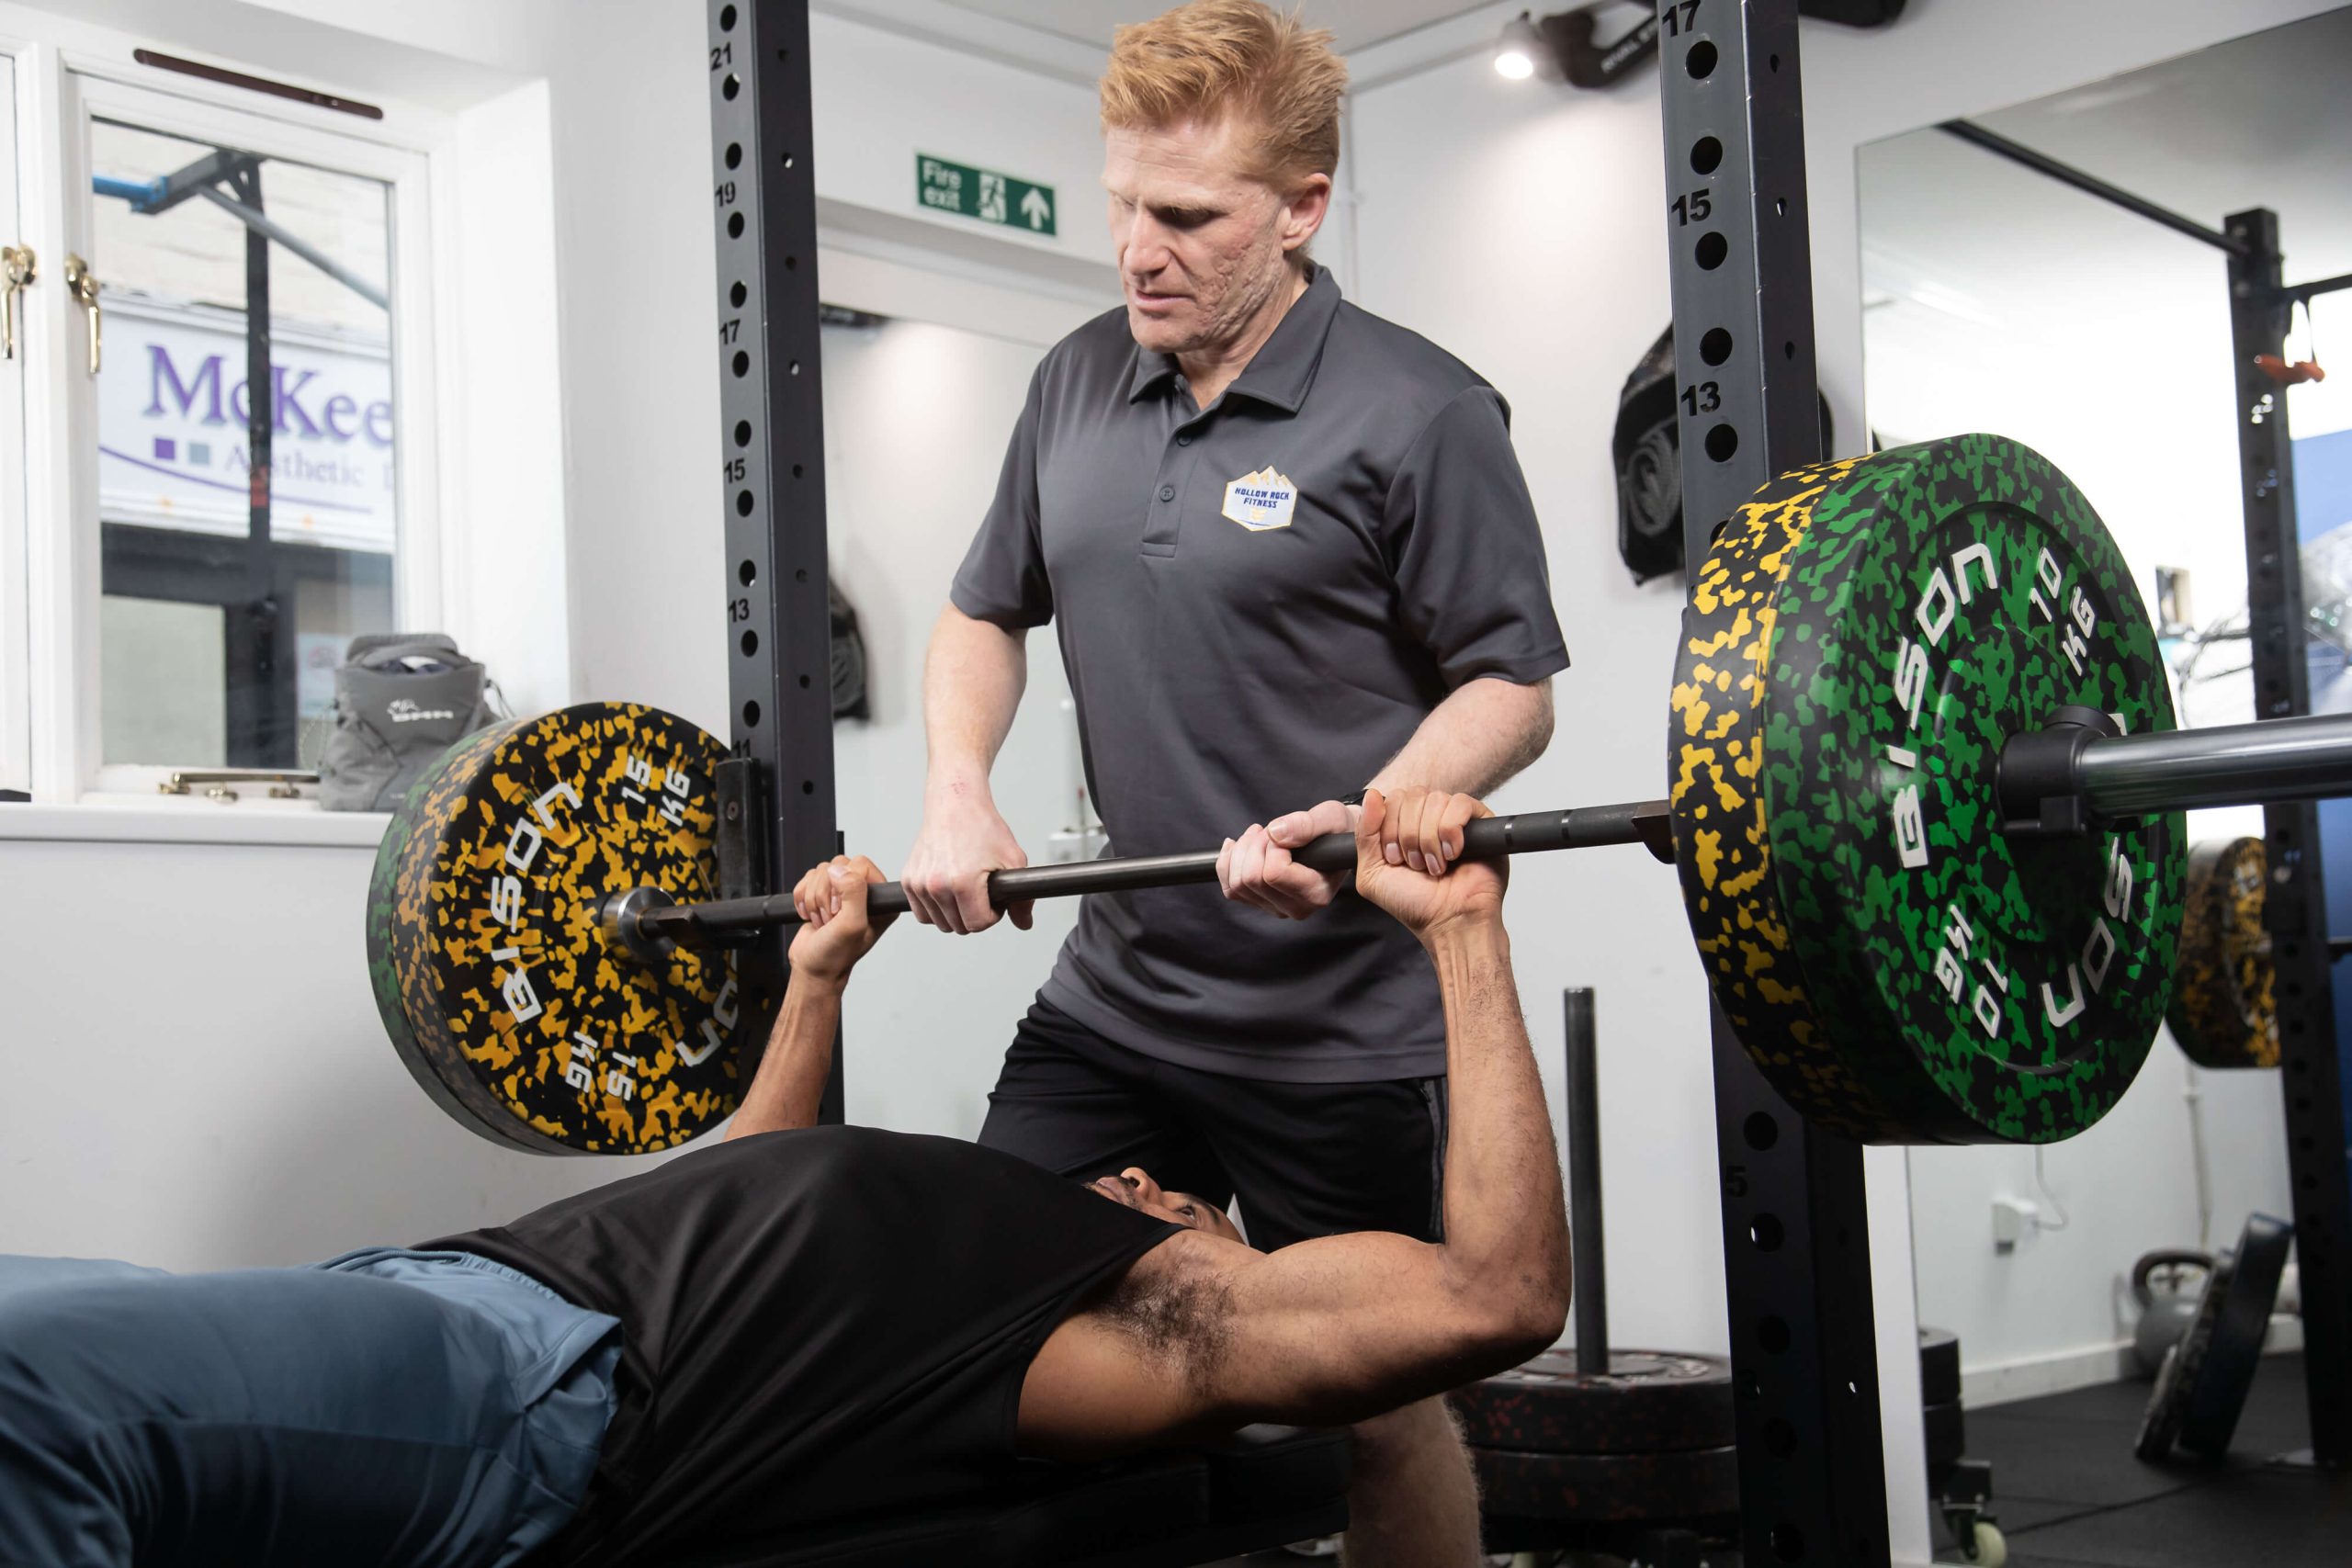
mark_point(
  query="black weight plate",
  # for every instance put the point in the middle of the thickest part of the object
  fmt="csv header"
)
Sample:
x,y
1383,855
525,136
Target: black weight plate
x,y
1648,1402
2217,1393
1938,1367
2160,1420
489,971
2223,1014
1686,1485
2168,1401
1946,1435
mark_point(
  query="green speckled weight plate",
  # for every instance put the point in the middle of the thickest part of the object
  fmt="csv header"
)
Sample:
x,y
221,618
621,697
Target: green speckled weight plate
x,y
1900,969
492,981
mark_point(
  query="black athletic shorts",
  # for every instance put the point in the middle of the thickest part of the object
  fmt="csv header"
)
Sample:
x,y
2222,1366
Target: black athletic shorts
x,y
1306,1159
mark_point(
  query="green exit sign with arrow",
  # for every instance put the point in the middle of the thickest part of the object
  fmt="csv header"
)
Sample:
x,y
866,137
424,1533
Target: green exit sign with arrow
x,y
983,194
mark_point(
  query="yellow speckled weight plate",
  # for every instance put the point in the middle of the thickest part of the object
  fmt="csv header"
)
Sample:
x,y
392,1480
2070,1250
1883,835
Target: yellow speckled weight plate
x,y
1721,845
2223,1014
492,981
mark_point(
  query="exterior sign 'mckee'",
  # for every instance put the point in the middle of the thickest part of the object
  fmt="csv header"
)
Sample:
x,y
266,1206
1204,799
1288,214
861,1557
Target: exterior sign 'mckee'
x,y
173,417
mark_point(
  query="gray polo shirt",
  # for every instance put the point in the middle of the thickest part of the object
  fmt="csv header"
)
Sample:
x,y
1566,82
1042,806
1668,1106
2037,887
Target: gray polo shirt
x,y
1257,603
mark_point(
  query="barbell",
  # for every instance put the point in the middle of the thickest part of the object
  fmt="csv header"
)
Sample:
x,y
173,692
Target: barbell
x,y
1924,785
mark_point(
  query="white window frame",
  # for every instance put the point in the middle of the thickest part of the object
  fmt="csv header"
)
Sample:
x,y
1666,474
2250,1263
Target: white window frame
x,y
59,91
16,638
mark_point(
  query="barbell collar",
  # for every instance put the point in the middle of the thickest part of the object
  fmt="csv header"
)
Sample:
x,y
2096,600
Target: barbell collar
x,y
643,926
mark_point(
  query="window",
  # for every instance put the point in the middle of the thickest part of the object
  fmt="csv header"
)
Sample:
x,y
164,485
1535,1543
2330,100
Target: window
x,y
243,538
201,554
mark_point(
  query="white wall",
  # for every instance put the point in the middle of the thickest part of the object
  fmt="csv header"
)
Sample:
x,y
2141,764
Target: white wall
x,y
197,1077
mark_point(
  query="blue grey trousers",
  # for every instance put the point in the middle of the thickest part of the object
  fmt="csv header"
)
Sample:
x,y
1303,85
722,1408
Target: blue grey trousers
x,y
417,1410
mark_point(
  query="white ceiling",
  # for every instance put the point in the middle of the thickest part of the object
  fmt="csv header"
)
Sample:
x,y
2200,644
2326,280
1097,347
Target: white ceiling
x,y
1357,24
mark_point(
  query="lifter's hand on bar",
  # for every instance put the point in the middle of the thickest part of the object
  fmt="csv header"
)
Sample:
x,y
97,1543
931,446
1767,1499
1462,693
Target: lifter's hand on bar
x,y
1422,830
1426,901
836,929
1256,868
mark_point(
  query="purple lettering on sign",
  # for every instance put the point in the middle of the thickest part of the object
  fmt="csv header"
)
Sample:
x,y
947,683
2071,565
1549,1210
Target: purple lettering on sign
x,y
161,371
287,401
380,413
340,407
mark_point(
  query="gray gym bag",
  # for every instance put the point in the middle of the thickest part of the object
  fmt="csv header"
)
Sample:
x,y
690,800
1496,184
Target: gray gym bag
x,y
401,700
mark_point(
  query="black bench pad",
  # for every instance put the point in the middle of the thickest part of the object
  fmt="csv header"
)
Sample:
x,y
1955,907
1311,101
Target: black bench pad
x,y
1262,1487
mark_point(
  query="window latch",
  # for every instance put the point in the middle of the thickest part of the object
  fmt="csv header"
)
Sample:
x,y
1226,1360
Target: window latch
x,y
17,270
84,285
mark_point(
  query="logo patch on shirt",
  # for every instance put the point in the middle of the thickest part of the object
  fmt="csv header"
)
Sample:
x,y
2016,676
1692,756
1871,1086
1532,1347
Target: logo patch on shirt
x,y
1260,500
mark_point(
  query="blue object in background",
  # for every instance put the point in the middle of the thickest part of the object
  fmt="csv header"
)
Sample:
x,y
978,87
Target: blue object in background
x,y
2324,504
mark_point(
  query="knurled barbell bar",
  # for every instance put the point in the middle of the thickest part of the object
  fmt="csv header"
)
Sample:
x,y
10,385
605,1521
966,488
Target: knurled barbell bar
x,y
1923,795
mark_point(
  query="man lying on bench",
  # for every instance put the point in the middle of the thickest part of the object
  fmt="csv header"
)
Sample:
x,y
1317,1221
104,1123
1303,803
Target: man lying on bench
x,y
796,1328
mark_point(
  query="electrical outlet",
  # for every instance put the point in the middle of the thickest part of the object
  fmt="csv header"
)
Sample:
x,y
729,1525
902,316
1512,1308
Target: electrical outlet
x,y
2011,1219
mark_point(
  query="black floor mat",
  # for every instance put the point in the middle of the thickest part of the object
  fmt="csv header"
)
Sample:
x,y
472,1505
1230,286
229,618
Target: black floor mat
x,y
2274,1518
2068,1493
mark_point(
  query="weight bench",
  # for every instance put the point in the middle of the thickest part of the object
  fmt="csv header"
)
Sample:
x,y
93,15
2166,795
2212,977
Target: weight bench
x,y
1264,1487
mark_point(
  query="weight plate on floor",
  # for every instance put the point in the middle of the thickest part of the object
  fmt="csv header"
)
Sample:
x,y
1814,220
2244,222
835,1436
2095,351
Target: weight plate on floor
x,y
2160,1418
491,978
2184,1361
1648,1402
2212,1398
1938,1367
1689,1483
1900,969
1947,1434
2224,1012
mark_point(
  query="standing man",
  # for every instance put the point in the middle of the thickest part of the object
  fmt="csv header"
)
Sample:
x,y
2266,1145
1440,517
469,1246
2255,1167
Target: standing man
x,y
1291,556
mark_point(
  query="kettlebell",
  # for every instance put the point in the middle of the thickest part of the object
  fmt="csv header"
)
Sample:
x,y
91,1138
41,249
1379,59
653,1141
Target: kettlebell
x,y
2164,1317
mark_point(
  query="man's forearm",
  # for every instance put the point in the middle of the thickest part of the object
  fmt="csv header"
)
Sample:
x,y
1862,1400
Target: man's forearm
x,y
1485,731
790,1084
1506,1226
971,685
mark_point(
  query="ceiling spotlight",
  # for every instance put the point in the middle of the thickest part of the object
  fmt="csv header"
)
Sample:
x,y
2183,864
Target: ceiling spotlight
x,y
1566,46
1521,52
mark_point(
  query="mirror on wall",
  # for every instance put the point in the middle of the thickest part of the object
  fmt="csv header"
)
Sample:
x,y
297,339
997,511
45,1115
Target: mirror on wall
x,y
1999,297
917,415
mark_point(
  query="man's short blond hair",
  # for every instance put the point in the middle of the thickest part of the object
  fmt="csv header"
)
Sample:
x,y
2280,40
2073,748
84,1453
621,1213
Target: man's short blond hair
x,y
1210,60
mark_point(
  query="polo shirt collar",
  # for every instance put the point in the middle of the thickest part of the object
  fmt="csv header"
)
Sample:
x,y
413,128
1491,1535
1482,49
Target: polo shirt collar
x,y
1283,368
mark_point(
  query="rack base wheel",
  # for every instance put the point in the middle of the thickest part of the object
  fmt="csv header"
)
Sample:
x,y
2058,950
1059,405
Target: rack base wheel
x,y
1986,1546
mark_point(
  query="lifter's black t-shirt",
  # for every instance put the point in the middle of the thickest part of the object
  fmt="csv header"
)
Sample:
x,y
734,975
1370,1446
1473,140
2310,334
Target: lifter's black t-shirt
x,y
819,1325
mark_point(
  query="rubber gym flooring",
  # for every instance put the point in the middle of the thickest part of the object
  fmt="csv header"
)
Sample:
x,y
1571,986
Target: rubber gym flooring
x,y
2068,1493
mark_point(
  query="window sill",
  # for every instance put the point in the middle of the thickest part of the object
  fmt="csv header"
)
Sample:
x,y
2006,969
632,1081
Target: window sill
x,y
119,821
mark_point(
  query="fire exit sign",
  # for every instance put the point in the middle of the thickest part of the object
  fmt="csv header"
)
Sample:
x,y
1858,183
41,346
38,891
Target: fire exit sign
x,y
983,195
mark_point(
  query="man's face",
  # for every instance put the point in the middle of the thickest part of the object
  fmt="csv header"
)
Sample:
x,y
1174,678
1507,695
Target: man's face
x,y
1203,248
1135,1189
